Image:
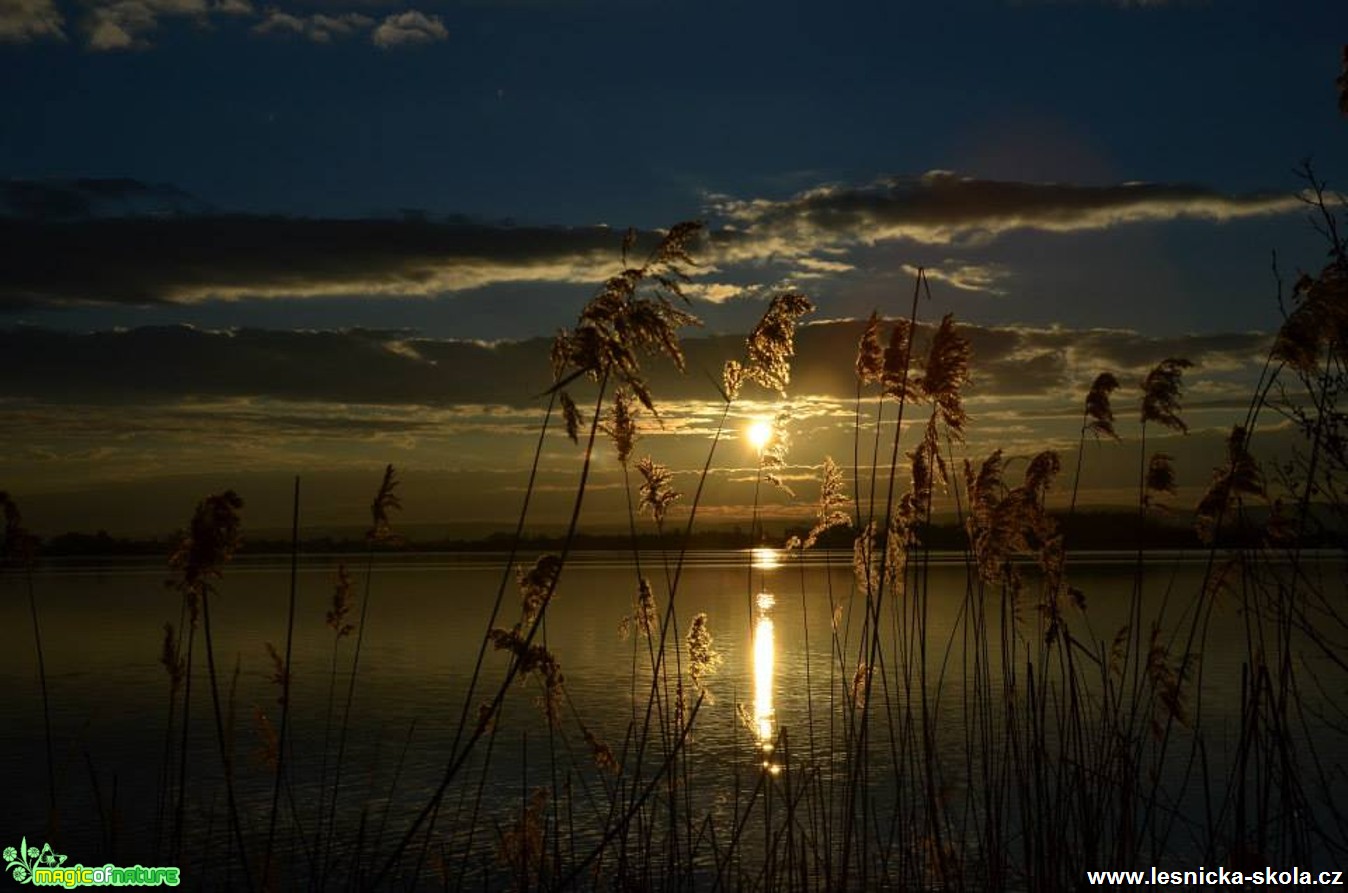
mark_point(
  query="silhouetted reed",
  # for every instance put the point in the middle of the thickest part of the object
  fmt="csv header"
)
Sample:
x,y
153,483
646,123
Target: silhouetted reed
x,y
1018,749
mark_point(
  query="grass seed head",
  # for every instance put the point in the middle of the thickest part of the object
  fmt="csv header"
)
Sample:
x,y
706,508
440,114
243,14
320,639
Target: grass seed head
x,y
1160,479
703,658
342,602
1099,414
1238,476
945,374
1161,391
870,363
212,538
385,501
771,344
657,492
571,415
538,584
621,425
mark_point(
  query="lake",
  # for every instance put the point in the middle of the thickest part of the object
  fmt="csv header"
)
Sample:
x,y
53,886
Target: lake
x,y
102,625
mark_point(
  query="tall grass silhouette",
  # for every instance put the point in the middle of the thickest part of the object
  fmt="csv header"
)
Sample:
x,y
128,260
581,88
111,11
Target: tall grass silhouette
x,y
994,735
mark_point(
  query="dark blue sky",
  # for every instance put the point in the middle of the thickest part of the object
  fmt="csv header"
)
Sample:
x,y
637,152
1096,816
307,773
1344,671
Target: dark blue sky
x,y
584,112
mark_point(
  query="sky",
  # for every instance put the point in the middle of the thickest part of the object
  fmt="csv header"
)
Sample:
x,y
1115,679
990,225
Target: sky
x,y
244,241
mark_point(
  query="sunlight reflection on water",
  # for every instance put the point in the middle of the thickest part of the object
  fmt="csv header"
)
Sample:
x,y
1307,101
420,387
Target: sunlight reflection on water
x,y
764,671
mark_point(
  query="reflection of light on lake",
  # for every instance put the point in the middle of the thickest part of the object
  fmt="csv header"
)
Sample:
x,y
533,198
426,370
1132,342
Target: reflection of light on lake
x,y
764,558
765,654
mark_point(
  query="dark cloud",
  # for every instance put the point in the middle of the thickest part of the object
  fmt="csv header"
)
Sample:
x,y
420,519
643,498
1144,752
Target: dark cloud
x,y
185,259
941,207
396,368
24,21
65,200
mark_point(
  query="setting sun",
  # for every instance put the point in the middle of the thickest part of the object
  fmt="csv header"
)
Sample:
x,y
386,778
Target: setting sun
x,y
759,433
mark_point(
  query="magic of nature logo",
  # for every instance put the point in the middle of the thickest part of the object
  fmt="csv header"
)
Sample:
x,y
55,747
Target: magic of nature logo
x,y
44,867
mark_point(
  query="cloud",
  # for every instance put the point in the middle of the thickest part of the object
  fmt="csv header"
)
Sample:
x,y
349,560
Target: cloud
x,y
51,200
100,407
965,277
319,28
714,292
942,208
126,24
129,24
23,21
362,366
187,259
409,27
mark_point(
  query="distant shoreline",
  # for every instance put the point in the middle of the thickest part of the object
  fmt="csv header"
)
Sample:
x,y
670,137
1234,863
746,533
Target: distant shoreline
x,y
1086,531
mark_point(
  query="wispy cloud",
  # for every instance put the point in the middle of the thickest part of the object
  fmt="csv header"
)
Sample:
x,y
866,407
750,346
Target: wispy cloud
x,y
397,368
943,208
186,259
964,276
23,21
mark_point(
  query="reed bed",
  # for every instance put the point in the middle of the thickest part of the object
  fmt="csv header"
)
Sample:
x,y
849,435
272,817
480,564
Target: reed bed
x,y
1079,747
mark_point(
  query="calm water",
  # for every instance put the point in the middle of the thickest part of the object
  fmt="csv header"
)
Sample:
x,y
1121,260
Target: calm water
x,y
102,627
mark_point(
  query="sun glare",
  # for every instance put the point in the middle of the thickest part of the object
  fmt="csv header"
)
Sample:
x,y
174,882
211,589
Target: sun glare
x,y
759,434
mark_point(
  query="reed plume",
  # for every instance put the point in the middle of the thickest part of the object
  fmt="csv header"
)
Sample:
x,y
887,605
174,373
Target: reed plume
x,y
280,673
829,513
856,692
657,492
342,603
1040,473
521,846
645,617
870,363
385,500
894,375
1319,320
1167,682
212,538
600,752
771,344
1005,522
1099,414
621,425
210,541
1238,475
1161,391
773,456
621,321
945,372
571,416
538,585
703,658
1160,479
534,659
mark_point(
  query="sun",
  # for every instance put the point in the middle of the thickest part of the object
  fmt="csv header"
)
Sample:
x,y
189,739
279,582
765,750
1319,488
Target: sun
x,y
759,434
